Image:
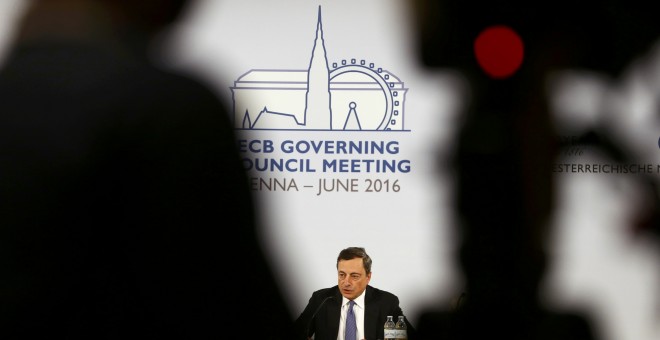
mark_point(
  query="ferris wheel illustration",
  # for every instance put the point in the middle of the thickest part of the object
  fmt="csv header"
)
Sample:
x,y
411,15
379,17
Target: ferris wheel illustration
x,y
349,95
372,100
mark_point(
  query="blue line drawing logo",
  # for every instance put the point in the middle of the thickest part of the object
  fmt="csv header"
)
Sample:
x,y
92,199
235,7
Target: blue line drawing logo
x,y
352,95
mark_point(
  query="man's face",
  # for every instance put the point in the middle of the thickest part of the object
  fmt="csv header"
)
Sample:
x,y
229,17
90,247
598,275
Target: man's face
x,y
353,279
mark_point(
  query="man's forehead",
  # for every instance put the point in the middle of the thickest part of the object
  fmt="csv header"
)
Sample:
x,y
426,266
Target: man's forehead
x,y
351,266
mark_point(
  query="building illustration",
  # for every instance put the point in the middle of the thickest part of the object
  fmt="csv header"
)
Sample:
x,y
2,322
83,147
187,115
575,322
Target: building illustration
x,y
348,95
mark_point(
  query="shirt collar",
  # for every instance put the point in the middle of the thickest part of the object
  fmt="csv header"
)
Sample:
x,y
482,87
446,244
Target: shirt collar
x,y
359,301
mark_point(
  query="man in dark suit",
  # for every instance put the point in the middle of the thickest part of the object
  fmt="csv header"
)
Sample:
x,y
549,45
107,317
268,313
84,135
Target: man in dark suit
x,y
121,188
326,313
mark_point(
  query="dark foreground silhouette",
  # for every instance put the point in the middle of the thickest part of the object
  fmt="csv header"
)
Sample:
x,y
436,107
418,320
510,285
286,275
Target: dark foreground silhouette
x,y
505,151
125,209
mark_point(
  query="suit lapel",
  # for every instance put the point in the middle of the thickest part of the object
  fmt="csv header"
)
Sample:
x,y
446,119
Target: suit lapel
x,y
370,315
334,314
371,312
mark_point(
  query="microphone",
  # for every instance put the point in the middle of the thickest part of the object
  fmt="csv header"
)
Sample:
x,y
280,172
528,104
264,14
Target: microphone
x,y
309,325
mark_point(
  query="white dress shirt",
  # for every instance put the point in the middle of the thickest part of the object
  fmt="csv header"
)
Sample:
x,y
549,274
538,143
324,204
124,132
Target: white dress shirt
x,y
358,310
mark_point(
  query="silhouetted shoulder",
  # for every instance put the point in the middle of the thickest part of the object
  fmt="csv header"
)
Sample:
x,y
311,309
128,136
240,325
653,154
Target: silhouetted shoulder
x,y
539,325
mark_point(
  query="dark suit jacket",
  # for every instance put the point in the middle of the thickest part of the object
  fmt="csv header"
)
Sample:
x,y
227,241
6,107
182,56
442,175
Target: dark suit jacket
x,y
325,326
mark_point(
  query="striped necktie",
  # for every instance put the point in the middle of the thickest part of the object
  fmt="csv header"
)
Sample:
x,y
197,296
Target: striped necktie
x,y
351,327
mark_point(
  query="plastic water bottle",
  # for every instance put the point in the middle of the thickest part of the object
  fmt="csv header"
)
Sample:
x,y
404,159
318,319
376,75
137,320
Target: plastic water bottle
x,y
390,328
401,330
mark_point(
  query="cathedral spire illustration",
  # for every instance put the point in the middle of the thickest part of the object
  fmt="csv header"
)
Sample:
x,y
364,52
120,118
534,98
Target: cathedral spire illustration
x,y
350,94
318,112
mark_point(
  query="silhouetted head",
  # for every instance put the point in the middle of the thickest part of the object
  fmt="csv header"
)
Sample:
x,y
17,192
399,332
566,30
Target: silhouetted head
x,y
150,15
117,24
147,17
558,33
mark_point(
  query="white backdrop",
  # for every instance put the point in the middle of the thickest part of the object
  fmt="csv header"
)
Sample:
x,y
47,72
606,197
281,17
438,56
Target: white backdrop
x,y
408,233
